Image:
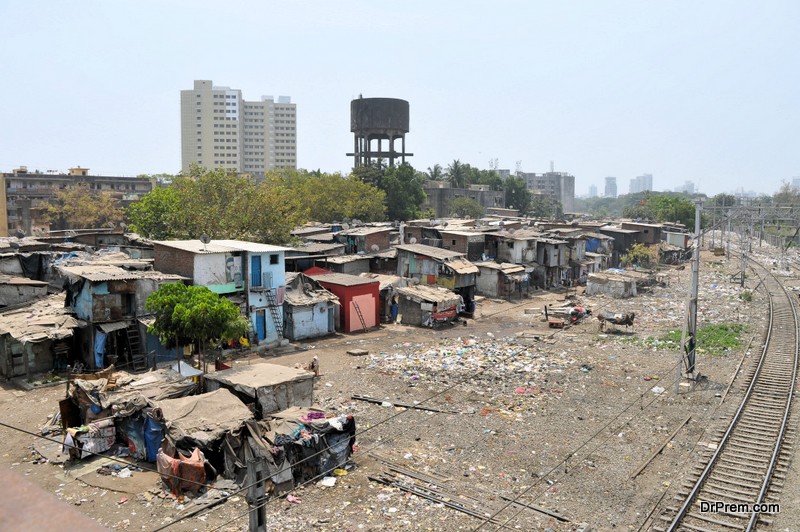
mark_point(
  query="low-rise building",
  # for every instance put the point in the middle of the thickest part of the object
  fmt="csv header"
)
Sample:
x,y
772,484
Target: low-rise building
x,y
441,267
309,309
359,299
29,194
248,272
111,301
502,280
365,239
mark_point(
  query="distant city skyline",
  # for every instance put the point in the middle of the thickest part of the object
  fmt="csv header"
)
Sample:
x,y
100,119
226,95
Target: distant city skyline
x,y
688,102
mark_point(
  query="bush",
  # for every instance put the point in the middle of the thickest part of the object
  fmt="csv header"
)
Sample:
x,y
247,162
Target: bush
x,y
746,296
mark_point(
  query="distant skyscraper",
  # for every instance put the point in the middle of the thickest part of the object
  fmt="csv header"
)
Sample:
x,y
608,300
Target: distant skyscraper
x,y
641,183
592,191
221,130
611,187
688,187
796,183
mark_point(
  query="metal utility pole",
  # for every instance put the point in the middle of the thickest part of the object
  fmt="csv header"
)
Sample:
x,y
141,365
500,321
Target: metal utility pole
x,y
689,340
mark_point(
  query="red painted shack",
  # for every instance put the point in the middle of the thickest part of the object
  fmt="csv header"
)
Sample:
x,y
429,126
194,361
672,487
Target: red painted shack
x,y
359,299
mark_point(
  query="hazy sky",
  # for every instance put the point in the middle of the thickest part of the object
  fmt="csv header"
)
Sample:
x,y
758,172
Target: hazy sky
x,y
684,90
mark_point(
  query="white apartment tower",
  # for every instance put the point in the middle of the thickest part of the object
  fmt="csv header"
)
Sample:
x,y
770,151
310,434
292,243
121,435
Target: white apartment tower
x,y
219,129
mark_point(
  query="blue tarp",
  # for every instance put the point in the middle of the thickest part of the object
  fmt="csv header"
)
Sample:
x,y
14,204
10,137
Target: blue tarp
x,y
99,348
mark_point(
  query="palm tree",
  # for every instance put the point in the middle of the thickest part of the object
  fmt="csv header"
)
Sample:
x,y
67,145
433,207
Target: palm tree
x,y
456,174
435,173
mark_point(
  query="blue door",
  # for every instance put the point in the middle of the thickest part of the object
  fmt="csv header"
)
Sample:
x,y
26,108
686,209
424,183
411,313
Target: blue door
x,y
255,270
261,325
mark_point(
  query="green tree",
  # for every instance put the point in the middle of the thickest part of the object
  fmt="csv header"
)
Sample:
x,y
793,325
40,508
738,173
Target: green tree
x,y
456,174
666,207
723,200
371,174
465,208
517,194
154,215
541,206
404,193
639,255
334,197
81,208
787,195
222,205
195,315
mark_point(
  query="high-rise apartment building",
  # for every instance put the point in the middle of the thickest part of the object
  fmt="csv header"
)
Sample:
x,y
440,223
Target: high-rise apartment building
x,y
557,186
592,191
641,183
219,129
611,187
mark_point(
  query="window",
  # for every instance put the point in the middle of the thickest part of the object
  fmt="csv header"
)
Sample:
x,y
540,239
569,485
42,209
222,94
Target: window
x,y
273,259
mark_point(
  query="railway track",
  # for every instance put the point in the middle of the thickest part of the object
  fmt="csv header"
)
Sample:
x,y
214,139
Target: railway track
x,y
735,486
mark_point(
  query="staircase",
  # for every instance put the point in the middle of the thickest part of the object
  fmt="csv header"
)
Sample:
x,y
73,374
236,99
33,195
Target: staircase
x,y
360,316
275,311
138,358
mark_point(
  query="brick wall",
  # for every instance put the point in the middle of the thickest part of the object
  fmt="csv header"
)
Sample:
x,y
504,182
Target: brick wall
x,y
171,260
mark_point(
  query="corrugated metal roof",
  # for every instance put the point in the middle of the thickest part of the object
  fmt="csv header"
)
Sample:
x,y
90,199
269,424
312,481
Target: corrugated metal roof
x,y
505,267
255,247
219,246
430,251
432,294
344,259
104,272
361,231
462,266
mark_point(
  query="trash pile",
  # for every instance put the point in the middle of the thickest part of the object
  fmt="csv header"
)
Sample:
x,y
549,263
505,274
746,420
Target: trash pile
x,y
455,359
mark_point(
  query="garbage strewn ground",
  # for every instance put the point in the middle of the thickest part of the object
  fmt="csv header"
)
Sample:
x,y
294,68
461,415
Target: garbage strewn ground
x,y
557,419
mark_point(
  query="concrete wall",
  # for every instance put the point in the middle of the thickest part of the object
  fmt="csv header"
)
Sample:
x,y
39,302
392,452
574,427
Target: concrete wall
x,y
611,285
309,321
487,282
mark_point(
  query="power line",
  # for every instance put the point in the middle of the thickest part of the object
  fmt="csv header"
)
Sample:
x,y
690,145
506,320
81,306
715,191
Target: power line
x,y
112,458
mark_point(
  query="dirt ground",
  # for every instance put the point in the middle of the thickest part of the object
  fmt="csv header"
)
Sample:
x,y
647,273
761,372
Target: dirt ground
x,y
560,419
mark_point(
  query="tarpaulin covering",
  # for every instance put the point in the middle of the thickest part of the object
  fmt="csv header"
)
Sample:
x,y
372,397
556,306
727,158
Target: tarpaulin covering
x,y
202,419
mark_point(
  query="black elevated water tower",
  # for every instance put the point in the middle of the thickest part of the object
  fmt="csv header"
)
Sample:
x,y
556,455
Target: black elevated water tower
x,y
373,121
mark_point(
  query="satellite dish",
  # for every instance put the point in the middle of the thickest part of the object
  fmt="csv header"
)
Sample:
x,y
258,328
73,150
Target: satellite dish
x,y
444,224
345,226
112,225
413,240
205,239
375,247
